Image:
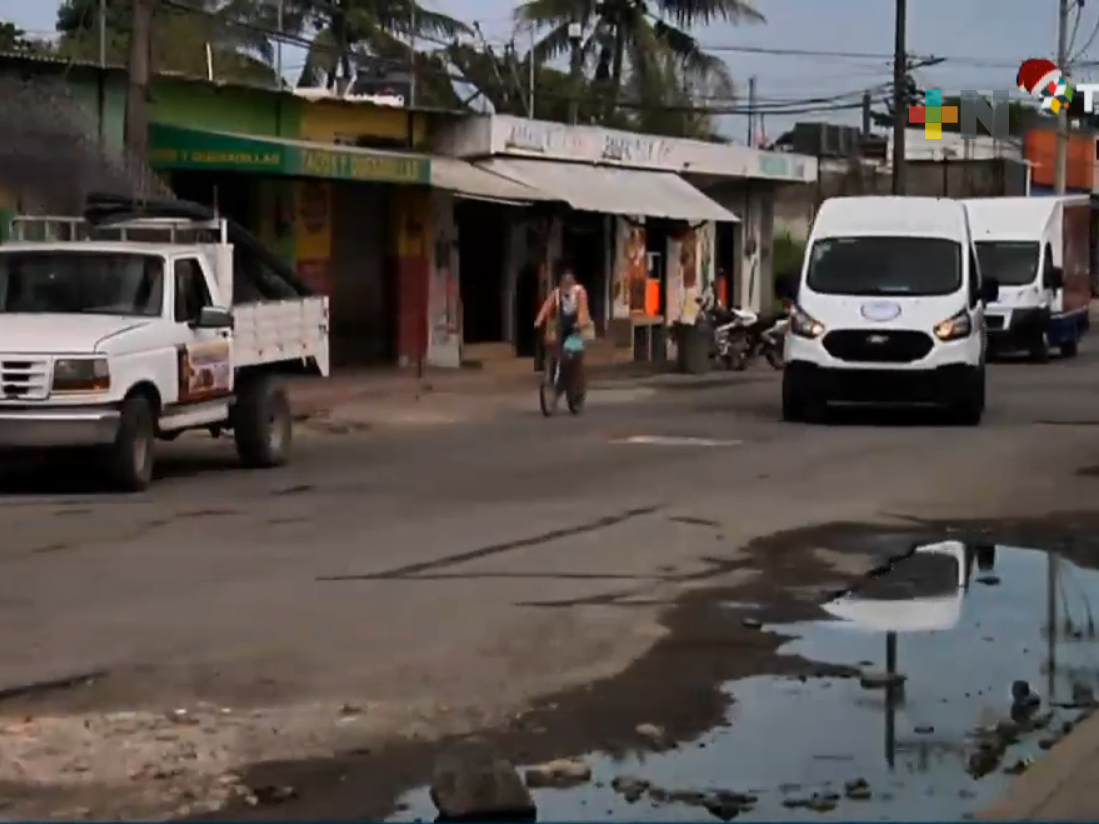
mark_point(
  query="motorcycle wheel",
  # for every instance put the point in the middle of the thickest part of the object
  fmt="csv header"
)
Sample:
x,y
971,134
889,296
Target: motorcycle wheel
x,y
774,357
736,358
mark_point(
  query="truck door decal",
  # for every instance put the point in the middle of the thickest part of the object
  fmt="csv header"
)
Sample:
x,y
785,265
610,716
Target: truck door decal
x,y
205,371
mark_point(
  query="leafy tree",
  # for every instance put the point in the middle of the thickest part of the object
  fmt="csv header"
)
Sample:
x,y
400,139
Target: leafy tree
x,y
634,37
504,80
666,104
14,39
234,30
913,96
377,34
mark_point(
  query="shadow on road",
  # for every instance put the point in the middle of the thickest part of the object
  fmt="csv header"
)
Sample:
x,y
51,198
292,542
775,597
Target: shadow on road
x,y
77,473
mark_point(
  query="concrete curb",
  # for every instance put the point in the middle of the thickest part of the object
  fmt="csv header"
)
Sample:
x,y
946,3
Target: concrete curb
x,y
1050,776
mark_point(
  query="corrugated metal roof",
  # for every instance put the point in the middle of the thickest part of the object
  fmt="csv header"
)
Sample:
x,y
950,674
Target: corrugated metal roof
x,y
612,190
466,179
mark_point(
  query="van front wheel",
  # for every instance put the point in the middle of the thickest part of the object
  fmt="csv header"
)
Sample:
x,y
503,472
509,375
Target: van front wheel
x,y
797,405
969,410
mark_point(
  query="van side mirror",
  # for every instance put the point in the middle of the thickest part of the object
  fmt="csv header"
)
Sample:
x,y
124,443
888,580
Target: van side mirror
x,y
786,288
1054,278
990,290
213,317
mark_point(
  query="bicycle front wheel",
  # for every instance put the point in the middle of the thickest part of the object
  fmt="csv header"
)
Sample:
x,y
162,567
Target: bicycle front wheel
x,y
548,397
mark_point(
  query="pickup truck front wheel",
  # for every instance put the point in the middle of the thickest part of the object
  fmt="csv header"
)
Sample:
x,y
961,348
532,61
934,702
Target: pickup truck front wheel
x,y
130,458
262,423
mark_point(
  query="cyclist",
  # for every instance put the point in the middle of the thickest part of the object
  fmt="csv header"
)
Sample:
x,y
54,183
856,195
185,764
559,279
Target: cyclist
x,y
567,318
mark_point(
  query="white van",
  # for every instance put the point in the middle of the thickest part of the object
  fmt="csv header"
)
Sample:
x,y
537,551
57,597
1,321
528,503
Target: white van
x,y
1037,248
889,308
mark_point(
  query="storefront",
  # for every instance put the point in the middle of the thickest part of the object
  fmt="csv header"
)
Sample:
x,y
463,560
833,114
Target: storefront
x,y
367,227
649,222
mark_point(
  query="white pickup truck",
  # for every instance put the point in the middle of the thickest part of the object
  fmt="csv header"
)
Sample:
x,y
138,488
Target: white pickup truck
x,y
112,338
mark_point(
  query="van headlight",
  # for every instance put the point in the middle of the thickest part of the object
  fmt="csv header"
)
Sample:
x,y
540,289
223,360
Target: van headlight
x,y
955,327
804,325
81,375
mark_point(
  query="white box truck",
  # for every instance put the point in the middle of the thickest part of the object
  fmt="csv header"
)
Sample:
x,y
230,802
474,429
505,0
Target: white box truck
x,y
114,336
1037,248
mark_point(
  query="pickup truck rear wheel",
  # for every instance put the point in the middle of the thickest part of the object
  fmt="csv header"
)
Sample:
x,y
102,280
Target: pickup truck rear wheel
x,y
130,458
262,424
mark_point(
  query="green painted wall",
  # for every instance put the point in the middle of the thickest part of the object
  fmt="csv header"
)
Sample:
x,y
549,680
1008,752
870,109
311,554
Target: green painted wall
x,y
226,109
83,85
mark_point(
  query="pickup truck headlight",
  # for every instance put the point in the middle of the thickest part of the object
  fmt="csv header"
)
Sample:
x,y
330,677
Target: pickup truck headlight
x,y
955,327
805,326
81,375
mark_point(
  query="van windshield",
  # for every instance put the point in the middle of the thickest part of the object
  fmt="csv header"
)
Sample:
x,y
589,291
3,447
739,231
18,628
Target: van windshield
x,y
885,266
95,283
1012,263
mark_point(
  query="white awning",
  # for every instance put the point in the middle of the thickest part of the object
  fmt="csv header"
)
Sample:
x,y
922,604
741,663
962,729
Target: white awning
x,y
612,190
466,180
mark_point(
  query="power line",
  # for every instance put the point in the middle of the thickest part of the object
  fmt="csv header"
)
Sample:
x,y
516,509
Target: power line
x,y
808,105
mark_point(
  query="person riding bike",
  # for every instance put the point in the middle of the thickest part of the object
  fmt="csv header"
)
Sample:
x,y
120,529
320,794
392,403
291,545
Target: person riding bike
x,y
567,320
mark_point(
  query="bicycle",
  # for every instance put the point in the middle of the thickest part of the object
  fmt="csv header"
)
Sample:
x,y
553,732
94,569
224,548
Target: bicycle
x,y
559,380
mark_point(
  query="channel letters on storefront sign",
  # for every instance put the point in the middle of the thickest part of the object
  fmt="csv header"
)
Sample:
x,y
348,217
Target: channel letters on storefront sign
x,y
585,143
215,158
346,166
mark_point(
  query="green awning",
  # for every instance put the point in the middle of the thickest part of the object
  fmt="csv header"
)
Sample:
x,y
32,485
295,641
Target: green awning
x,y
177,147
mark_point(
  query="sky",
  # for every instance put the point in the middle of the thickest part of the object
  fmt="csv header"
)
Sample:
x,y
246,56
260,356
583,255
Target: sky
x,y
982,41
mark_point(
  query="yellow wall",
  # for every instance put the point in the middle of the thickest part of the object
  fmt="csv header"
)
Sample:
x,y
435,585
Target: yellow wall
x,y
322,121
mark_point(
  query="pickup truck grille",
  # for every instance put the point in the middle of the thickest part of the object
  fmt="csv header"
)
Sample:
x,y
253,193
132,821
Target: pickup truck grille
x,y
892,346
24,378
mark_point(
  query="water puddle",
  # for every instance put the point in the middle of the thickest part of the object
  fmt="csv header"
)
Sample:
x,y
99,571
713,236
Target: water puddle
x,y
962,688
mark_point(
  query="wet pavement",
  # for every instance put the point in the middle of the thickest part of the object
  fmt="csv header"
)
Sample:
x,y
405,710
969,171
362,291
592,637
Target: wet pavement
x,y
954,696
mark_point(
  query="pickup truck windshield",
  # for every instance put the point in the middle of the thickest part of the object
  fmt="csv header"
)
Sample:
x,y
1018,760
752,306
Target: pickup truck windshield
x,y
1011,263
81,282
885,266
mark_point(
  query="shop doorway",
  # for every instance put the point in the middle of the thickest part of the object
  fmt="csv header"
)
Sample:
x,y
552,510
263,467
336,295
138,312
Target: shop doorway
x,y
481,287
724,260
583,245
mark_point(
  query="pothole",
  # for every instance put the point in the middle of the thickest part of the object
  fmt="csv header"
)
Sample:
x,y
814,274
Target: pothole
x,y
964,682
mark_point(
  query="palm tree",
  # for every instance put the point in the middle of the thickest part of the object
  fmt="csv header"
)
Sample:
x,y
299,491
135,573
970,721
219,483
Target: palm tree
x,y
381,33
640,36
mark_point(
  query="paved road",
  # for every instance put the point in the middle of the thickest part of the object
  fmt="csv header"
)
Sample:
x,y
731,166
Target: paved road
x,y
440,578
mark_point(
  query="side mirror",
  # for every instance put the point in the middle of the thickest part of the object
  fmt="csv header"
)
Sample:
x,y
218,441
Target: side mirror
x,y
213,317
786,288
990,290
1055,278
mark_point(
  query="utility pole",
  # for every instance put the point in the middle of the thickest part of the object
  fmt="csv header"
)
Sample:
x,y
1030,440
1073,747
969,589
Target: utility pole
x,y
279,24
530,79
102,24
900,86
752,112
137,93
1061,172
412,58
576,67
866,114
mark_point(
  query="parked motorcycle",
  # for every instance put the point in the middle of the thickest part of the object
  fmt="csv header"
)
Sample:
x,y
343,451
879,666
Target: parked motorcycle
x,y
740,335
